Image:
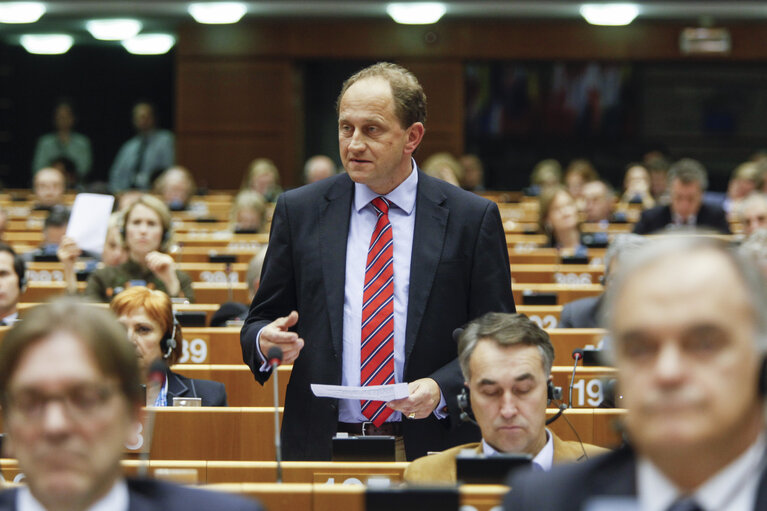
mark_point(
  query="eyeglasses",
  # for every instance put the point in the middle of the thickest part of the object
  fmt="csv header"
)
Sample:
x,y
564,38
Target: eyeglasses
x,y
80,402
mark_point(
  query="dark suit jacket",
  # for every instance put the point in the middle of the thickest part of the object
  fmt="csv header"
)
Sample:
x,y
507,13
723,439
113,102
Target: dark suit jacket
x,y
459,270
151,495
568,488
212,393
657,218
583,313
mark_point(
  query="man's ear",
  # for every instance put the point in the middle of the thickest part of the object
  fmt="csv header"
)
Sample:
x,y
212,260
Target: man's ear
x,y
414,136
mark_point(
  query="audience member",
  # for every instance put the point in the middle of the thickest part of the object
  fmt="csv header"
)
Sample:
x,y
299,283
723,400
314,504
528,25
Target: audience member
x,y
745,179
506,361
48,186
114,252
314,274
688,327
598,202
754,248
54,229
234,311
753,213
64,143
144,156
558,218
637,186
264,178
175,186
658,165
318,167
687,182
248,212
579,172
12,283
146,233
584,313
444,166
71,401
546,173
148,317
473,173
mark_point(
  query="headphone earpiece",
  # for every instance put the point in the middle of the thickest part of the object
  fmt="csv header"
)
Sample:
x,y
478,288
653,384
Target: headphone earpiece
x,y
553,392
168,344
464,405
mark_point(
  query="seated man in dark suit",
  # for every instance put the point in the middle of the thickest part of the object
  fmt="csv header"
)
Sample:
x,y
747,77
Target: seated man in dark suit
x,y
506,360
687,181
584,313
689,339
71,400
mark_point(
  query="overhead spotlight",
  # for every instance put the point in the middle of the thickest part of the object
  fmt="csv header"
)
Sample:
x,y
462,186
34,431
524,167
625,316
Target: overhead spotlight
x,y
416,13
114,29
47,44
217,13
21,12
609,14
149,44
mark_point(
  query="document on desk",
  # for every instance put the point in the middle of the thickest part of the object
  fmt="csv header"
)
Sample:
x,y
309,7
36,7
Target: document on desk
x,y
372,392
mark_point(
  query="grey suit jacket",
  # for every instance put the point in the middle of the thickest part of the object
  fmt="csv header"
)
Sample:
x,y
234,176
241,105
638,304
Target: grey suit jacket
x,y
459,270
583,313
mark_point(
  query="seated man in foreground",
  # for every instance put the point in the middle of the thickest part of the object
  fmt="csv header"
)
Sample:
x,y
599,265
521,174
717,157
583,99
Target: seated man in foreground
x,y
506,361
71,400
690,337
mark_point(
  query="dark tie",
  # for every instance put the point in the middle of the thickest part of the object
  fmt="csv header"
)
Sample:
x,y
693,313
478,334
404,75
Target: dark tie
x,y
140,157
685,504
377,348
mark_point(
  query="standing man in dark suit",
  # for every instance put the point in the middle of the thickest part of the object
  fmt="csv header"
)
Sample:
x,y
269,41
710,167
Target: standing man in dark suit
x,y
690,338
71,400
440,250
687,181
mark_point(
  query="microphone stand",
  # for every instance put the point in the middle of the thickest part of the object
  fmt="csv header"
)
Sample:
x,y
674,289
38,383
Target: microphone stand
x,y
277,445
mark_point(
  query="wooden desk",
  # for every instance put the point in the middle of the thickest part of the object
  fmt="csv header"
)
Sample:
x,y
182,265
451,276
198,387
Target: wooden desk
x,y
205,292
565,293
564,274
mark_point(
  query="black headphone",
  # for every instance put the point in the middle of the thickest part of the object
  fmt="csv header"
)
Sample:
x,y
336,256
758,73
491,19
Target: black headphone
x,y
168,342
464,401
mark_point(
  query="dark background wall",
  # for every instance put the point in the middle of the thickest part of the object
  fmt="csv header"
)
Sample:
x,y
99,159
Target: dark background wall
x,y
268,89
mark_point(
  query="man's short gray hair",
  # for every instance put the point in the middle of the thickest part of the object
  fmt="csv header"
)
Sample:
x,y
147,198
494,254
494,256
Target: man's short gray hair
x,y
506,330
687,171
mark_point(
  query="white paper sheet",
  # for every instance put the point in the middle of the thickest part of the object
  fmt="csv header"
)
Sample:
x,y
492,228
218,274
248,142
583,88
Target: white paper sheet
x,y
372,392
89,219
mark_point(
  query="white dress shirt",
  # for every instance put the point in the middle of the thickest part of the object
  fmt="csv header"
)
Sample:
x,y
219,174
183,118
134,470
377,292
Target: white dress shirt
x,y
731,489
115,500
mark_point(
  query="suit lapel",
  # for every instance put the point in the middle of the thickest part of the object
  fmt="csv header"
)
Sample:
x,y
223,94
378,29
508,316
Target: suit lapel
x,y
334,228
428,239
176,387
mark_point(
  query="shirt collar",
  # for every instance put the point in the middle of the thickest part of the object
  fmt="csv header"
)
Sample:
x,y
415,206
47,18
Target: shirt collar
x,y
656,492
403,196
116,500
544,459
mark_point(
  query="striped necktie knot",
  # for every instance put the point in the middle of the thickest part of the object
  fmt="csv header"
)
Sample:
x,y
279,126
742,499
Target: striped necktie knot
x,y
381,204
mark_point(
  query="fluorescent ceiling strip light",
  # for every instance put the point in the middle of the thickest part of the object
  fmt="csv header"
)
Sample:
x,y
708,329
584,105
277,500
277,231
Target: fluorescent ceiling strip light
x,y
609,14
416,13
21,12
149,44
47,44
114,29
217,13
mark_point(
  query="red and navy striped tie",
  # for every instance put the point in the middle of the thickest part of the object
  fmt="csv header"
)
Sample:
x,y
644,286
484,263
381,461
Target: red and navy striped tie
x,y
377,348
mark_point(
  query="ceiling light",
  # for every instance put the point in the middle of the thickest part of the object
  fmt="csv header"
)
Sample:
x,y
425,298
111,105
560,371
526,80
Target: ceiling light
x,y
217,12
416,13
113,30
47,44
149,44
21,12
609,14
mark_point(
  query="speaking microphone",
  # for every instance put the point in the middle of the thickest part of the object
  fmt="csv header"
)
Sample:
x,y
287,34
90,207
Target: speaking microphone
x,y
155,381
274,358
577,355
